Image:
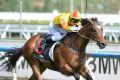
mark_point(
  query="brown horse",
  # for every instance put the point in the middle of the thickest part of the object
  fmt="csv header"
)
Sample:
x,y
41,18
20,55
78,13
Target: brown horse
x,y
69,56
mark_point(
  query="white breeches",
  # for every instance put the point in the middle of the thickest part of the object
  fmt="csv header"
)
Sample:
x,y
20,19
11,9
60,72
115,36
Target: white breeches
x,y
57,33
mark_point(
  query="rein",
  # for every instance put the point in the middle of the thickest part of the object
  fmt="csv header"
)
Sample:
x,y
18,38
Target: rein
x,y
79,36
85,37
77,31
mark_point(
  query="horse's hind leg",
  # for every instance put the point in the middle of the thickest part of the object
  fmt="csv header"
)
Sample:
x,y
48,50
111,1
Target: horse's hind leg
x,y
28,55
34,64
35,67
33,77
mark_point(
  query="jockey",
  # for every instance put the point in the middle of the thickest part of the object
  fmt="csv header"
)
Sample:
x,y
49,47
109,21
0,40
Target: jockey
x,y
62,24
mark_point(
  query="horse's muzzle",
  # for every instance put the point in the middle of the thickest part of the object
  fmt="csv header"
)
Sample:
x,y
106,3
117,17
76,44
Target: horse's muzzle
x,y
101,45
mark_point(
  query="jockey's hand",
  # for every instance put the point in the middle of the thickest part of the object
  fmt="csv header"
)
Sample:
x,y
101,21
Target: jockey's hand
x,y
74,28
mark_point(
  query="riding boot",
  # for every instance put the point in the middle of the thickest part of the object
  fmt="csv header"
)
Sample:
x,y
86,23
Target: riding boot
x,y
46,41
49,40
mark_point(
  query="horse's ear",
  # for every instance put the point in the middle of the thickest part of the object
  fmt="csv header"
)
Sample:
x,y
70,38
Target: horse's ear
x,y
92,19
84,21
95,18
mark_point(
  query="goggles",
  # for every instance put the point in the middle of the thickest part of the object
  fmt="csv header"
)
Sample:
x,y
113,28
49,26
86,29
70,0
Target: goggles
x,y
75,20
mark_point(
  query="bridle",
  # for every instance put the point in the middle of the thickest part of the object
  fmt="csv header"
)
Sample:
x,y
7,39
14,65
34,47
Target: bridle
x,y
91,34
95,40
87,37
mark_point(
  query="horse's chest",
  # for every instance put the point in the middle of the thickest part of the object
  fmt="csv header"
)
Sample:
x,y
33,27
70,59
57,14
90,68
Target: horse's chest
x,y
77,62
75,65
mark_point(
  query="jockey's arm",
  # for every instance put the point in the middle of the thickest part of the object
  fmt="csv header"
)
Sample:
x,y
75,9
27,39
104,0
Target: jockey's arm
x,y
66,27
70,28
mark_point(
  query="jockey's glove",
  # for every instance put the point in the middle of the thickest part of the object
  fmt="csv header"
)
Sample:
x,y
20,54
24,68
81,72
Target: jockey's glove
x,y
74,28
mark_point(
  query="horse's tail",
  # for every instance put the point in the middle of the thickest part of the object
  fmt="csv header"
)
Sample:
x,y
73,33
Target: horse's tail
x,y
11,57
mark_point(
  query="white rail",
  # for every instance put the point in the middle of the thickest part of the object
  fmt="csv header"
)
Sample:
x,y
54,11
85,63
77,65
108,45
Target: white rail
x,y
111,33
104,18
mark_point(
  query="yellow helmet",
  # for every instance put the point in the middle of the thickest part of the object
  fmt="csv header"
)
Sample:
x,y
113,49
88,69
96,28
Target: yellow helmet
x,y
75,15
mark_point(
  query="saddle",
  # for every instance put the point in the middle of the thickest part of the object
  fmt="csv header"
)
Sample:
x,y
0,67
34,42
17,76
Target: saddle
x,y
42,48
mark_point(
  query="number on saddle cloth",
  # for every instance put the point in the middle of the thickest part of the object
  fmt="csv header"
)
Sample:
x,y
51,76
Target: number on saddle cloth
x,y
38,49
44,44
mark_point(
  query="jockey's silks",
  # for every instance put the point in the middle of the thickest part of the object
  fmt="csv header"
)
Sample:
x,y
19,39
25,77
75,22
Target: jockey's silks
x,y
63,21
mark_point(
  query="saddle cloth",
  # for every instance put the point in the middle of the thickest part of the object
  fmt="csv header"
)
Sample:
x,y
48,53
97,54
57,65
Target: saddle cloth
x,y
47,54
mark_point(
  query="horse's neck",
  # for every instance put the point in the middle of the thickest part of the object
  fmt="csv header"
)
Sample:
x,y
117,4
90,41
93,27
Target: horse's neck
x,y
83,40
82,44
77,42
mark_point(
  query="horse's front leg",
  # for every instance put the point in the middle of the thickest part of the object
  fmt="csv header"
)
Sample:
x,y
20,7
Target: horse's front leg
x,y
76,76
32,77
85,72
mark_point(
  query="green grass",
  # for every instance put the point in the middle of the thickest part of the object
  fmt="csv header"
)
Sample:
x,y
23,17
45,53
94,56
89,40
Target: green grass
x,y
24,22
42,22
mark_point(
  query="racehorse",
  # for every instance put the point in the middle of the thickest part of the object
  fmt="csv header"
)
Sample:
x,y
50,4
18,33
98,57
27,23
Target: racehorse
x,y
69,56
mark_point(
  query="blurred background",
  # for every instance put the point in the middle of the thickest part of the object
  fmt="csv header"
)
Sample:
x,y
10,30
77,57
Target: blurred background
x,y
94,6
22,13
20,19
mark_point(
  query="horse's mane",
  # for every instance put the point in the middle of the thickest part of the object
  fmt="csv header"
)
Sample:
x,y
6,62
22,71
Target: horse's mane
x,y
84,21
69,35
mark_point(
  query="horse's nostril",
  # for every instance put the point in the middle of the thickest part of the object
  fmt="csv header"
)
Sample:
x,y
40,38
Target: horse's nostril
x,y
101,45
